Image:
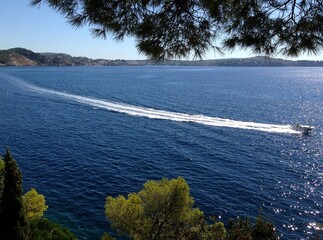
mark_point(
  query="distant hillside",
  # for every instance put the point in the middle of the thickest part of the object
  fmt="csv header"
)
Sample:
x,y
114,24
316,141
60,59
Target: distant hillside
x,y
20,57
24,57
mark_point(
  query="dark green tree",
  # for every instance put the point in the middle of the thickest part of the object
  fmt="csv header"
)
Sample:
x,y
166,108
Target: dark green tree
x,y
171,29
239,229
1,182
243,229
12,218
264,230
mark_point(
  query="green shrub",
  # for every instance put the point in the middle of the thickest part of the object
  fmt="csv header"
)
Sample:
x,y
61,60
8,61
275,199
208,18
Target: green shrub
x,y
43,229
264,230
239,229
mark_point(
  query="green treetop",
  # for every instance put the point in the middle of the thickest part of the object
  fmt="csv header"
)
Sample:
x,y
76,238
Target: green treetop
x,y
161,210
35,204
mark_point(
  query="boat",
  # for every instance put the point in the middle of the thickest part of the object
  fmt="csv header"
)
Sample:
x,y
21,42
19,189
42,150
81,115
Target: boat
x,y
304,129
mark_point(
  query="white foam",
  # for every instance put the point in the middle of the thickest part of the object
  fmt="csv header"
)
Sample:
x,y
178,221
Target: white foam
x,y
161,114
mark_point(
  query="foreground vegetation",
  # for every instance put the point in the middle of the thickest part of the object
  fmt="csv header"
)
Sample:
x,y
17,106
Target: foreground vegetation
x,y
161,210
21,216
165,210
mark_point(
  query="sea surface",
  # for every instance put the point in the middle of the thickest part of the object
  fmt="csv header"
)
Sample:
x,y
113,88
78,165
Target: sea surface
x,y
80,134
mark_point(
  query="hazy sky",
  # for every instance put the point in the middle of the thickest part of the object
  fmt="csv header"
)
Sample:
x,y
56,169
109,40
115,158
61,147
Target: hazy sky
x,y
44,30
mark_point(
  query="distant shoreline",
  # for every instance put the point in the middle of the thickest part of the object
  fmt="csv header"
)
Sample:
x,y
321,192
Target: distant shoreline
x,y
24,57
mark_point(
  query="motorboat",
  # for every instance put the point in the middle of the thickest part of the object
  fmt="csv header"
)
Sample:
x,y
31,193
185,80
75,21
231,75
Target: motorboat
x,y
304,129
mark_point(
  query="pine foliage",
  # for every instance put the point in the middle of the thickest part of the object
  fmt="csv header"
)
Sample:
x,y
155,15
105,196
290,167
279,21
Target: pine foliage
x,y
175,29
161,210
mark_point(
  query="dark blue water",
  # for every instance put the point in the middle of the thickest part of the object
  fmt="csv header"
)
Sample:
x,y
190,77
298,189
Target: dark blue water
x,y
76,151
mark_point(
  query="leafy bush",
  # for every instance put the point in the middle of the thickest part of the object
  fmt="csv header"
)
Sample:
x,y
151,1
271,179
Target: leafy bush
x,y
43,229
264,230
239,229
243,229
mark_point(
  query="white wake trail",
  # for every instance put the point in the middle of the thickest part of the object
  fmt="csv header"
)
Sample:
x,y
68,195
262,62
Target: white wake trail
x,y
164,115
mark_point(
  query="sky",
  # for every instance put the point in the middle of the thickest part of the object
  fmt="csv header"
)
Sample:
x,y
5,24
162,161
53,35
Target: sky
x,y
41,29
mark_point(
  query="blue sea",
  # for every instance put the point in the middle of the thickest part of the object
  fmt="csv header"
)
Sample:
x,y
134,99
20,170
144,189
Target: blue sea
x,y
80,134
